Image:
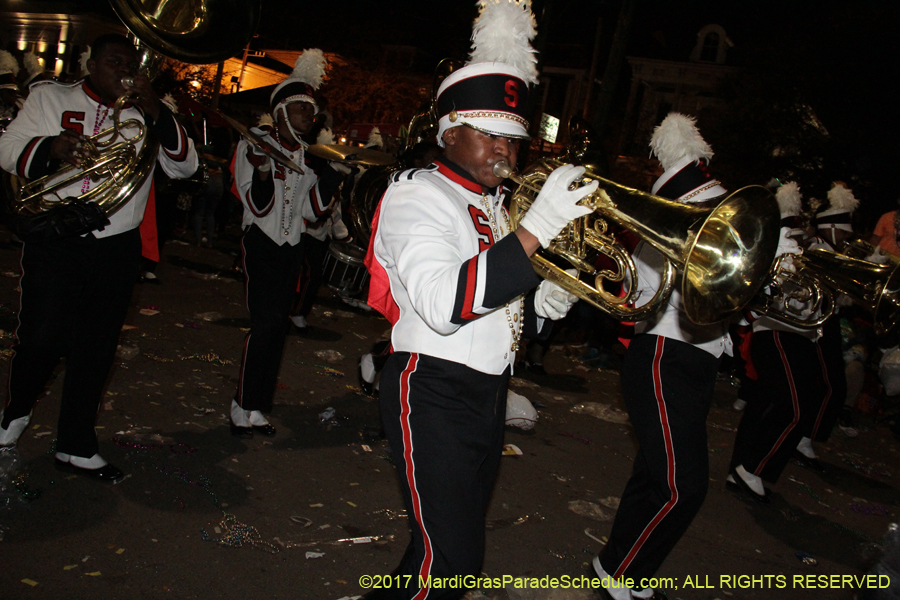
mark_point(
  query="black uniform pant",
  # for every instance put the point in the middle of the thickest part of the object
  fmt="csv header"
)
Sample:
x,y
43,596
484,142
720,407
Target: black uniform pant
x,y
314,252
444,422
791,391
270,282
75,295
831,363
667,386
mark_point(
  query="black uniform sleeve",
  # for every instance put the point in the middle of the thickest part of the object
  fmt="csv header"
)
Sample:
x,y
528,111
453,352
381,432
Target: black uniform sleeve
x,y
509,274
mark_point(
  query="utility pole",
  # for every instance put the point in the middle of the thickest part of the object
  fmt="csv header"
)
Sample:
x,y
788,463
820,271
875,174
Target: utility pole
x,y
243,67
585,111
613,67
220,68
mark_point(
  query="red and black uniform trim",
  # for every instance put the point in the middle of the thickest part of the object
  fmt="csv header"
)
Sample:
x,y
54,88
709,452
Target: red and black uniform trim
x,y
688,179
458,175
34,161
172,136
95,95
509,272
507,266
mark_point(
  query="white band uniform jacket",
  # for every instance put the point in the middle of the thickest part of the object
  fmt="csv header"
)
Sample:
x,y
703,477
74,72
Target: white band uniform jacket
x,y
53,107
296,196
431,238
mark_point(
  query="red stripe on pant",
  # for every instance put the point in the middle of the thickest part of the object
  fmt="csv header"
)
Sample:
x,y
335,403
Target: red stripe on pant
x,y
794,400
828,391
670,463
408,449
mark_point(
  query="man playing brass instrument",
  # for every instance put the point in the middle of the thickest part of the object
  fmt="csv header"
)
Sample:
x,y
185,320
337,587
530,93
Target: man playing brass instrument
x,y
668,376
449,274
76,288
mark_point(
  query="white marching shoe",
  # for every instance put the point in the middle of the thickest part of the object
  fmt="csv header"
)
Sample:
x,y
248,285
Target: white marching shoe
x,y
94,467
10,435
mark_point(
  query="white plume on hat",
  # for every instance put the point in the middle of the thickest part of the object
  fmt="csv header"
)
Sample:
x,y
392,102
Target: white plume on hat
x,y
678,138
501,46
8,63
32,64
83,61
502,33
310,68
308,74
169,100
841,198
265,120
325,137
789,200
841,202
375,138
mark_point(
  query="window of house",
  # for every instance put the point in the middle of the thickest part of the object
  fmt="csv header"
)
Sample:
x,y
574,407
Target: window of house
x,y
710,50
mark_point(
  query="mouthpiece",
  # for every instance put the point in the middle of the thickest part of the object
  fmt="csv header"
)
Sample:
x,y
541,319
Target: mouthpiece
x,y
502,169
128,82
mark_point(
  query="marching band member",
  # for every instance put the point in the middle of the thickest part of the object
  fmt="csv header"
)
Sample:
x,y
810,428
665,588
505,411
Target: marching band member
x,y
668,378
835,228
316,239
787,361
9,87
448,272
34,72
278,202
76,290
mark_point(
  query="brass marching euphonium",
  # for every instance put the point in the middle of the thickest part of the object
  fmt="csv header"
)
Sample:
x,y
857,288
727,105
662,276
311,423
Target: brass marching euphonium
x,y
872,286
723,254
794,294
123,156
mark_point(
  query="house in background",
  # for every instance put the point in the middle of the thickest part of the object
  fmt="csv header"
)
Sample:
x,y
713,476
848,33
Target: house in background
x,y
661,86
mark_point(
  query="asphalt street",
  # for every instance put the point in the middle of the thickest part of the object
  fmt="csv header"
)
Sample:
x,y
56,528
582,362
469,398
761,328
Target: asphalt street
x,y
309,513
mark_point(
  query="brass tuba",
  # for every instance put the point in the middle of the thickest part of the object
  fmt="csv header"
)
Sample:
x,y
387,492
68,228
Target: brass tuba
x,y
123,156
723,254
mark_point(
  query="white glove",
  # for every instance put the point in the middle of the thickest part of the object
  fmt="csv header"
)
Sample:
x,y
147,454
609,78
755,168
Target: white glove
x,y
879,257
556,206
843,300
340,167
787,245
553,302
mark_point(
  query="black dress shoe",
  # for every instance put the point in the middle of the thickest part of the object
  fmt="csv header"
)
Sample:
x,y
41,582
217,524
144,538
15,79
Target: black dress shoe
x,y
536,368
740,485
806,462
241,432
105,473
266,430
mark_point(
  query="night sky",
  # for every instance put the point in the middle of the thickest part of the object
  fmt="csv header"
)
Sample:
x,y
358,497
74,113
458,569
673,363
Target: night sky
x,y
839,57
